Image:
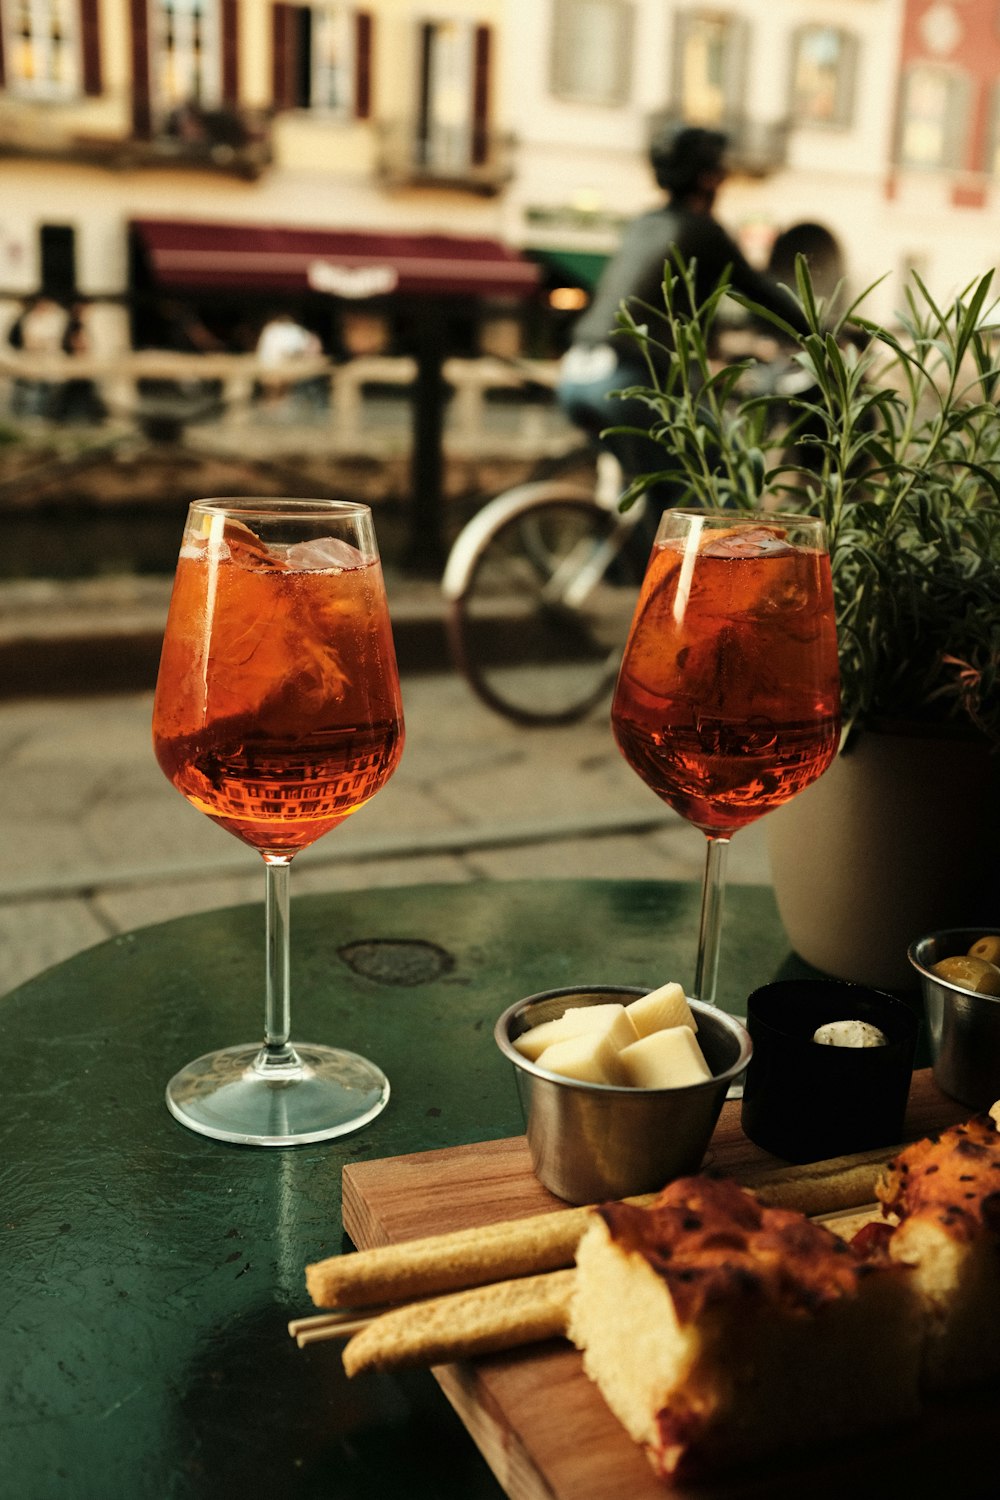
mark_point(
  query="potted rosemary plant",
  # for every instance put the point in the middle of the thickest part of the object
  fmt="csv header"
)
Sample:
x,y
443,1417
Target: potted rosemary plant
x,y
895,443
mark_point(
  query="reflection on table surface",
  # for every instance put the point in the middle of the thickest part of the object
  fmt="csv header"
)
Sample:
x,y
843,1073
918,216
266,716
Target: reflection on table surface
x,y
148,1273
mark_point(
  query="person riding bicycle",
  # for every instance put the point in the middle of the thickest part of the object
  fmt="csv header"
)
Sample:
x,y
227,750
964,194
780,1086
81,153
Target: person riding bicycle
x,y
689,163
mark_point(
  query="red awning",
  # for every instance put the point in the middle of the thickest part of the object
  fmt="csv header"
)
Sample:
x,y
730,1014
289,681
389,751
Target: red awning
x,y
190,255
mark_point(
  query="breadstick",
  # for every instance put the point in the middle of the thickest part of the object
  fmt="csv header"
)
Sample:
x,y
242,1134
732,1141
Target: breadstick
x,y
819,1187
483,1320
547,1242
447,1262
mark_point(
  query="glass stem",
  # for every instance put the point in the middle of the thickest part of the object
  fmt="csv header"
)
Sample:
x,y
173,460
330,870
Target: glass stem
x,y
706,974
278,1004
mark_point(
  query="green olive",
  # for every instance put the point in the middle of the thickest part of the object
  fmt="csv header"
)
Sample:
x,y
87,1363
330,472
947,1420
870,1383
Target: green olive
x,y
988,948
974,974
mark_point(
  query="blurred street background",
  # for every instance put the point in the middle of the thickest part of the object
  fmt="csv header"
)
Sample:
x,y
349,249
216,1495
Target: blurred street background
x,y
100,843
318,250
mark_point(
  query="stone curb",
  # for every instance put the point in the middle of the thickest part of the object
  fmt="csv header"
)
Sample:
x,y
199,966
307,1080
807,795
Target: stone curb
x,y
56,650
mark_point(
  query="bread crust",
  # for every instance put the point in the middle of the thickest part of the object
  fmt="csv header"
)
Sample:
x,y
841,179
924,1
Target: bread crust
x,y
945,1194
720,1330
952,1179
710,1241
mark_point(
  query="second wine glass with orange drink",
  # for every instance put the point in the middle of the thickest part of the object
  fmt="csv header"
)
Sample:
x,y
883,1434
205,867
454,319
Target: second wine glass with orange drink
x,y
728,697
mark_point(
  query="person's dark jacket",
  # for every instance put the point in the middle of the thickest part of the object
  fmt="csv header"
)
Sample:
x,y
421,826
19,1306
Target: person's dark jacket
x,y
636,274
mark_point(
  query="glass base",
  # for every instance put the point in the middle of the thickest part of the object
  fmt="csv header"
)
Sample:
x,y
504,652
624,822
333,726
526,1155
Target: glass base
x,y
253,1096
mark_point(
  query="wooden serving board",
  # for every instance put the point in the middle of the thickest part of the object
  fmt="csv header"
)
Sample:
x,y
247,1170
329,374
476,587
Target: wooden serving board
x,y
544,1428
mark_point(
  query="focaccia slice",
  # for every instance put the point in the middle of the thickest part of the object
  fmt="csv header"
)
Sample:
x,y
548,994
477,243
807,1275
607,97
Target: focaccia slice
x,y
719,1330
945,1193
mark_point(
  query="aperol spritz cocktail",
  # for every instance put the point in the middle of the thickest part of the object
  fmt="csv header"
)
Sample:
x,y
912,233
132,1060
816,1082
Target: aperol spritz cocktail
x,y
278,714
728,697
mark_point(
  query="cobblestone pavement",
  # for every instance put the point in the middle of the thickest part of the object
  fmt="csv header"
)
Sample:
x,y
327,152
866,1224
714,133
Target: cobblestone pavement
x,y
98,842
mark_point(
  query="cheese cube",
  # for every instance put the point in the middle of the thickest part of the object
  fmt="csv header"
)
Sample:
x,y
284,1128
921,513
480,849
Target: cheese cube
x,y
589,1057
610,1020
664,1060
661,1009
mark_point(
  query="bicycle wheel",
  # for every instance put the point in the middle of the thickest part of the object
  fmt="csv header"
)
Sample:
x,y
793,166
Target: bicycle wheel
x,y
542,594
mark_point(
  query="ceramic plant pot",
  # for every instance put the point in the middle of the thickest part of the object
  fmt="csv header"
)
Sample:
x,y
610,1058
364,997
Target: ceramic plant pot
x,y
901,836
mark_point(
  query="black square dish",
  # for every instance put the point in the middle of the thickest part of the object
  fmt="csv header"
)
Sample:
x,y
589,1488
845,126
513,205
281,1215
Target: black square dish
x,y
808,1101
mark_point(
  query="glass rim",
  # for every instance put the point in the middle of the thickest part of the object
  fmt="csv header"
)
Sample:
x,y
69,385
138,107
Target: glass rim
x,y
742,517
267,507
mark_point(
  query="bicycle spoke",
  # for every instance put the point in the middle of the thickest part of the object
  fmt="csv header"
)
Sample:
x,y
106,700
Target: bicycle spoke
x,y
539,628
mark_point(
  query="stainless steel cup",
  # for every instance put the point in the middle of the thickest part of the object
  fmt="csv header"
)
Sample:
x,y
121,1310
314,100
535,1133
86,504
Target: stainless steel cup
x,y
589,1141
963,1029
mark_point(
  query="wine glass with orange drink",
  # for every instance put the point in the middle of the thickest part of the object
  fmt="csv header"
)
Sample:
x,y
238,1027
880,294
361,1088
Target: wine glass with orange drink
x,y
728,697
277,714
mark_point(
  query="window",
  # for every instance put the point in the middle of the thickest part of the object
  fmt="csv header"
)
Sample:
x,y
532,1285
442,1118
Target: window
x,y
453,95
592,51
322,59
331,60
992,164
934,115
57,252
185,67
709,66
445,115
41,48
823,69
317,57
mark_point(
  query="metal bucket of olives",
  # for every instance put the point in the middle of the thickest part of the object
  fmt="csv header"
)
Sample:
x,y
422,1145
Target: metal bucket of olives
x,y
959,972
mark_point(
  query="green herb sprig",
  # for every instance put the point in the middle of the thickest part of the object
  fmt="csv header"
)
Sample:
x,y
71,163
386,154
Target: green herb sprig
x,y
902,429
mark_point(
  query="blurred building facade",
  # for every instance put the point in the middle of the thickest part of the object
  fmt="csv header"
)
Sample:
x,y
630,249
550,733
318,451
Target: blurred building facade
x,y
865,133
190,166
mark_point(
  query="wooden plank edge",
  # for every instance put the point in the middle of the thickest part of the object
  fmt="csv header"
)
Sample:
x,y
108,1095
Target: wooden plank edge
x,y
507,1157
502,1448
504,1159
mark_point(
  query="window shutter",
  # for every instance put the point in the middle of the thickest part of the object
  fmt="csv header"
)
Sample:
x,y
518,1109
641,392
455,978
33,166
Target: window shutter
x,y
481,95
90,33
849,74
737,57
142,115
426,42
283,36
230,23
364,28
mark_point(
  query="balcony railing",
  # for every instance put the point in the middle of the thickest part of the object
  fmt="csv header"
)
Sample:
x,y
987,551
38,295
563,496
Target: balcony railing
x,y
228,139
234,141
362,408
469,158
756,147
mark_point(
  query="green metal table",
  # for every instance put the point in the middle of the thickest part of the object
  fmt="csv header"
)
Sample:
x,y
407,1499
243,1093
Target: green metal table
x,y
148,1273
